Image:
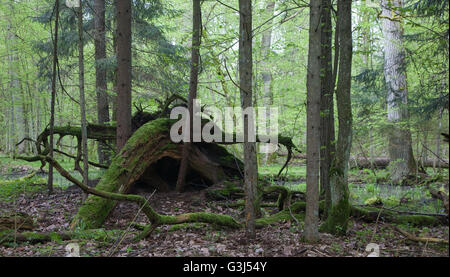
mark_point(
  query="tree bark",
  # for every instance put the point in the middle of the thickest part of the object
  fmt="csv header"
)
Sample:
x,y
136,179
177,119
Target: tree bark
x,y
327,136
339,211
195,57
14,87
123,72
82,96
399,135
100,75
245,83
313,85
266,74
53,96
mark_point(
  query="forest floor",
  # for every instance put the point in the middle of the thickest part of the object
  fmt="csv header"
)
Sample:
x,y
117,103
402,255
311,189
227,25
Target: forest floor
x,y
53,213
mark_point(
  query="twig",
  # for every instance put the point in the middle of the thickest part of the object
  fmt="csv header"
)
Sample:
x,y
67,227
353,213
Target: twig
x,y
444,161
418,239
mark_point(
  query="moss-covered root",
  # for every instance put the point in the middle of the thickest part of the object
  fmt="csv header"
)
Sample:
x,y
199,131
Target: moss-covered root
x,y
10,237
183,219
219,219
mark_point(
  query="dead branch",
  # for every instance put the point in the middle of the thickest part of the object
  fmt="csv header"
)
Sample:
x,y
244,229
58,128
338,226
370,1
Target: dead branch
x,y
418,239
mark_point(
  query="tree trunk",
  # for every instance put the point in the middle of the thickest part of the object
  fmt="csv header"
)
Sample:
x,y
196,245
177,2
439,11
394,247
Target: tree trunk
x,y
82,96
327,136
266,74
52,103
123,72
400,148
313,124
196,41
100,75
339,211
14,87
438,139
245,82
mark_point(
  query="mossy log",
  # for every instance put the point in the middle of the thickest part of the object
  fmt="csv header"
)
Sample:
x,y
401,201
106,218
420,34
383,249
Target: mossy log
x,y
94,131
16,221
371,214
377,162
150,156
12,238
8,238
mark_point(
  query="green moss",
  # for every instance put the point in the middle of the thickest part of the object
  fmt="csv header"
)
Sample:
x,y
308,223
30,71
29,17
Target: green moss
x,y
186,226
278,217
9,189
371,214
376,200
417,220
337,220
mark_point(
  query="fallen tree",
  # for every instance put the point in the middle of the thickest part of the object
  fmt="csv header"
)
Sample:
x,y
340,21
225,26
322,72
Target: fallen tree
x,y
16,221
151,157
383,162
155,218
378,162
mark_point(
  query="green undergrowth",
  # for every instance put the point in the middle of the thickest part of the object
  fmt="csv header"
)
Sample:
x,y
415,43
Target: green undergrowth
x,y
81,236
11,189
293,172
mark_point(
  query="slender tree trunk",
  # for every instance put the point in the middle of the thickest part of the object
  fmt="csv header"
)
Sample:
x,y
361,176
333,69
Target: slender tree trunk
x,y
82,96
53,97
339,211
313,85
12,129
400,148
123,72
100,75
438,139
266,74
245,82
327,137
14,86
195,57
114,78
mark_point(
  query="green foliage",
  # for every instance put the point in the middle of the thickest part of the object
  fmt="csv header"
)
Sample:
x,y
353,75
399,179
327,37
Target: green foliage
x,y
11,189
